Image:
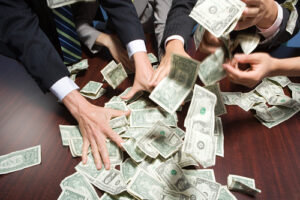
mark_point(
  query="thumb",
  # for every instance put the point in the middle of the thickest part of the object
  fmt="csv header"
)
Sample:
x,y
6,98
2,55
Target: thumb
x,y
131,93
118,113
244,58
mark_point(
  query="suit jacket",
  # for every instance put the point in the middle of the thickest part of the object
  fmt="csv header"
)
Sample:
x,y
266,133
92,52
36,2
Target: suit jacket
x,y
179,23
20,30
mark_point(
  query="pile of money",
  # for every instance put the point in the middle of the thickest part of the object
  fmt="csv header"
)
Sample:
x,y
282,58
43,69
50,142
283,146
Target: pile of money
x,y
173,89
93,90
19,160
269,101
218,17
114,74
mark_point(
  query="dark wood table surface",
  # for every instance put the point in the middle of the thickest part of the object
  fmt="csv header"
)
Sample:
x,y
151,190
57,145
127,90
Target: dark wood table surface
x,y
28,118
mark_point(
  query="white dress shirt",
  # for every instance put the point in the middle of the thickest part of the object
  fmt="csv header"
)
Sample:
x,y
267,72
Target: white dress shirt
x,y
65,85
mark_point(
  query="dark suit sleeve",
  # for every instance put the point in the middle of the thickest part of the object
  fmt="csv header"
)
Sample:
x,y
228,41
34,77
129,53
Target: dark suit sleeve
x,y
19,30
123,16
178,21
283,36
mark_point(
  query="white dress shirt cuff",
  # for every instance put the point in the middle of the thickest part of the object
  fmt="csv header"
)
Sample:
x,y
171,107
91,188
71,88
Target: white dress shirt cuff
x,y
273,30
136,46
174,37
63,87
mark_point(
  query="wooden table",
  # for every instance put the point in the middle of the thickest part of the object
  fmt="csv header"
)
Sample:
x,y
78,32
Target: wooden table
x,y
28,117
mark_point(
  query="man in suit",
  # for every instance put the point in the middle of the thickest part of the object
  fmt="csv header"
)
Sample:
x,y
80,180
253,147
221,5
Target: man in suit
x,y
24,34
268,16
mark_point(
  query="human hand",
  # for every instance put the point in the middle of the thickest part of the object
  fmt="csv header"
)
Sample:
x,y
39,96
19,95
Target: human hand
x,y
209,43
163,70
261,13
94,126
116,49
261,65
143,73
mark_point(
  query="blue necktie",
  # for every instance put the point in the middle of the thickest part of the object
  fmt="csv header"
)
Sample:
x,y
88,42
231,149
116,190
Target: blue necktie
x,y
67,35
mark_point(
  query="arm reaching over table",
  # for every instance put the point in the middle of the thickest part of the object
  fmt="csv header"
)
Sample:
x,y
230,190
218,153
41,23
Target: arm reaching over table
x,y
261,65
18,25
177,32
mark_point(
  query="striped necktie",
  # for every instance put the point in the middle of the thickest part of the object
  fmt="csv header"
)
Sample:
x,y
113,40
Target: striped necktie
x,y
67,35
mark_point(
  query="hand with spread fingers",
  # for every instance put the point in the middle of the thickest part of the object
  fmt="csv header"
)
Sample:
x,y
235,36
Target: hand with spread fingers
x,y
261,13
143,73
94,126
163,70
209,43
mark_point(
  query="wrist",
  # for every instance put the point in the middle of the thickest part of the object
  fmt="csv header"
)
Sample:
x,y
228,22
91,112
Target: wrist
x,y
103,40
275,66
174,45
269,17
75,102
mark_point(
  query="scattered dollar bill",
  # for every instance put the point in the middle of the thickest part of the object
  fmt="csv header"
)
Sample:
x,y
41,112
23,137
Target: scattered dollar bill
x,y
248,41
281,80
173,89
92,87
68,193
291,6
225,194
73,77
216,16
207,174
60,3
101,92
116,105
77,182
220,108
230,98
267,89
175,179
211,70
133,150
200,142
110,181
152,58
114,74
75,145
114,153
219,135
82,65
128,169
122,196
141,183
118,122
242,184
295,88
210,189
68,132
134,98
198,35
19,160
183,159
148,117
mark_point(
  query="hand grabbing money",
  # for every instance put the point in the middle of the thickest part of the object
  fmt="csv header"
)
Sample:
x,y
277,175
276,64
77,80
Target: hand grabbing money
x,y
94,127
209,43
143,73
261,13
261,65
173,47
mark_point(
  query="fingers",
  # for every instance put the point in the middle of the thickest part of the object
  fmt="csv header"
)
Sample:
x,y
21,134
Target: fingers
x,y
244,58
113,136
96,155
155,76
117,113
131,93
103,151
85,148
251,12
